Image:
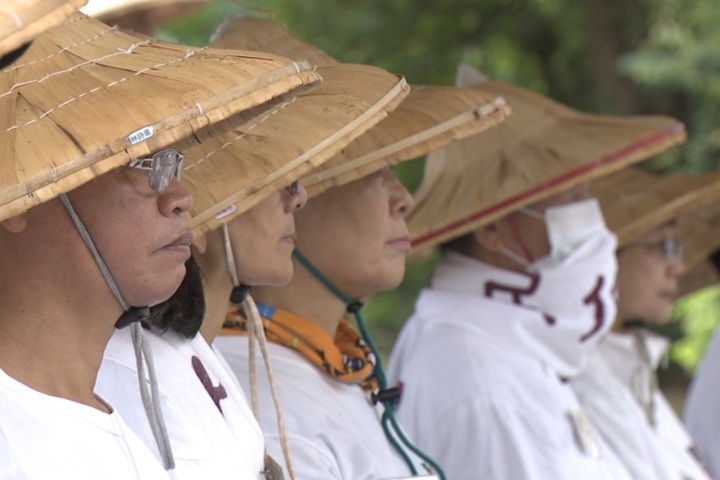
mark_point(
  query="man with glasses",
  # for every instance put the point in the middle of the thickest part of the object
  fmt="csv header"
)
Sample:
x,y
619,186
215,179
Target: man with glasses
x,y
58,314
87,242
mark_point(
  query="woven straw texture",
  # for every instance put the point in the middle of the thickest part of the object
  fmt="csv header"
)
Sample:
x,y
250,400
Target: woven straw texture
x,y
86,98
542,149
23,20
429,118
234,172
254,33
636,202
699,231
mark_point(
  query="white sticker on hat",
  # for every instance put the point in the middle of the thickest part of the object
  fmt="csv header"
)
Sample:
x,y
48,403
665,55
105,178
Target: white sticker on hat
x,y
140,135
225,212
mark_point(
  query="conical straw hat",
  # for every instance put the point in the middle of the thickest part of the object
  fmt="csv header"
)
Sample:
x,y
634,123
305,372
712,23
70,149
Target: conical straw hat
x,y
699,231
263,35
230,174
635,202
86,98
23,20
543,149
429,118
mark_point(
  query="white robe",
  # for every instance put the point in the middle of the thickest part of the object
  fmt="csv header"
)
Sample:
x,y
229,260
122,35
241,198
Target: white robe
x,y
608,390
44,437
483,388
205,442
333,430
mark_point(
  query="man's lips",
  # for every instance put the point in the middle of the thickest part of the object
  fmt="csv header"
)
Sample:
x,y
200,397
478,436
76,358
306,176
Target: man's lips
x,y
184,240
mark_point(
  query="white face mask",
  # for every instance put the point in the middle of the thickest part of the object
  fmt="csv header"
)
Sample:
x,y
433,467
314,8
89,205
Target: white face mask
x,y
568,227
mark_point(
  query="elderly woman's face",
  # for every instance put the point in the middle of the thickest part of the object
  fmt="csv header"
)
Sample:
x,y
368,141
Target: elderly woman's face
x,y
648,277
356,234
263,238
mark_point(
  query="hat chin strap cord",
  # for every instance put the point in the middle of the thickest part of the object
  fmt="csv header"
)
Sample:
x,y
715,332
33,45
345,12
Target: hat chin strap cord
x,y
240,297
143,353
387,396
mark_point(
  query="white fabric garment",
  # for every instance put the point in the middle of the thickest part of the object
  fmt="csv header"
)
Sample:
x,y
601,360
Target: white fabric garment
x,y
483,392
632,415
333,430
44,437
702,406
205,442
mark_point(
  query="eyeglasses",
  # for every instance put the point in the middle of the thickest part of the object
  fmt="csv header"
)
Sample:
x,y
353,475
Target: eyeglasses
x,y
294,188
164,166
670,247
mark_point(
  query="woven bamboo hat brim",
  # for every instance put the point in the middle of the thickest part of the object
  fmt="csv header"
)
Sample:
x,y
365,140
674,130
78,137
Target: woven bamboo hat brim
x,y
702,275
429,118
86,98
699,231
542,149
23,20
230,174
635,202
261,34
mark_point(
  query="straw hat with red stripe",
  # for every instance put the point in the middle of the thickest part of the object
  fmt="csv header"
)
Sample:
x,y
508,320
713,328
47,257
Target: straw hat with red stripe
x,y
544,148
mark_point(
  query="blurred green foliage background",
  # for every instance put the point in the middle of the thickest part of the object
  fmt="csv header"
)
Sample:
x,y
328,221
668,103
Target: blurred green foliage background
x,y
605,56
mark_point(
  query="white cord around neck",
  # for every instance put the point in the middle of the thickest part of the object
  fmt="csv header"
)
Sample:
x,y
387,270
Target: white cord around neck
x,y
255,328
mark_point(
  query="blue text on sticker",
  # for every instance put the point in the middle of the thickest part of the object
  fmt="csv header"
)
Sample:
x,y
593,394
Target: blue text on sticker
x,y
140,135
225,212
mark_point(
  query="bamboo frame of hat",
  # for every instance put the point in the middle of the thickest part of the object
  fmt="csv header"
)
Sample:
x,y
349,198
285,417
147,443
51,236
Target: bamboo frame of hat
x,y
58,97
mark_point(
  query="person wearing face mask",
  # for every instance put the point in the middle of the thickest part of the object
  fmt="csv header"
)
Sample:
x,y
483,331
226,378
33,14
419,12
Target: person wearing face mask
x,y
246,191
91,227
523,291
618,387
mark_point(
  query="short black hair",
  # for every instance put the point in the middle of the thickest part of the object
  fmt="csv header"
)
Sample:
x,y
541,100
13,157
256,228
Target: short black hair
x,y
184,311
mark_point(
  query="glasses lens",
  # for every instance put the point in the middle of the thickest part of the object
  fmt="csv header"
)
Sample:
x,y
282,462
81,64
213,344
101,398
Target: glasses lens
x,y
294,188
166,167
672,248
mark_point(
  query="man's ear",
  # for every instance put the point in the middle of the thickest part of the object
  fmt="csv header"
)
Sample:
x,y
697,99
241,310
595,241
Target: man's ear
x,y
488,237
16,224
199,244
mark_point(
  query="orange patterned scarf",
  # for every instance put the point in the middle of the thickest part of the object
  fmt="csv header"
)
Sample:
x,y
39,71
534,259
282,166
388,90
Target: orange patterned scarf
x,y
346,357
